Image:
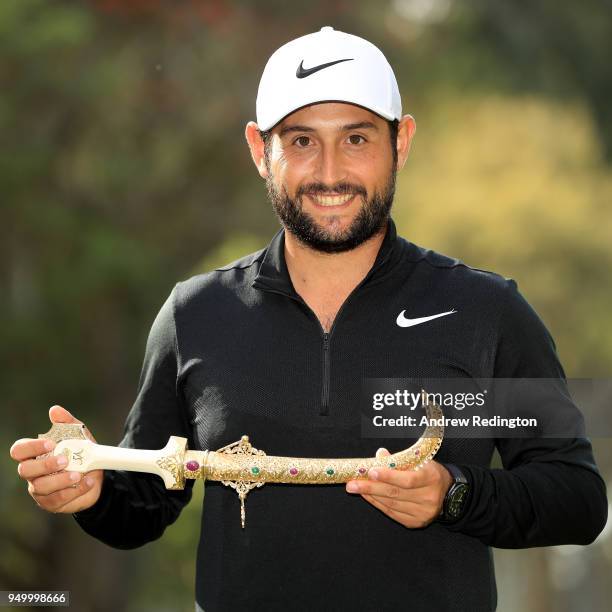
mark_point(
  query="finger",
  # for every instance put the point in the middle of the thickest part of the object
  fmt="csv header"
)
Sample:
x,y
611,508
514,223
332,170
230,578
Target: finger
x,y
385,490
33,468
380,489
410,479
58,414
412,520
27,448
393,512
45,485
80,489
397,505
54,502
422,502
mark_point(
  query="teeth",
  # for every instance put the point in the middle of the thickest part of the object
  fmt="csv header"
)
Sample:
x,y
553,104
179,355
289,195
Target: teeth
x,y
326,200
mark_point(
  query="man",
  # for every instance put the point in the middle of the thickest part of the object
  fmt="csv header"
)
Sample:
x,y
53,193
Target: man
x,y
278,344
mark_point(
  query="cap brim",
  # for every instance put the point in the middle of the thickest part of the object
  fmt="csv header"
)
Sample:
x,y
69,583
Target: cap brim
x,y
378,112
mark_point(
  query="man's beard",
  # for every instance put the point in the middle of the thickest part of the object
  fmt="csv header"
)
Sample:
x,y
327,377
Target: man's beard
x,y
371,218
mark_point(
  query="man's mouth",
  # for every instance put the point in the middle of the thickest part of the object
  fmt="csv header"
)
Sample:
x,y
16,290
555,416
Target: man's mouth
x,y
332,200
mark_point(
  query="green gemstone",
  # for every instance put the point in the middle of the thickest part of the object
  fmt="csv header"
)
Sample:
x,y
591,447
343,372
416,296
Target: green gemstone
x,y
392,465
255,470
329,471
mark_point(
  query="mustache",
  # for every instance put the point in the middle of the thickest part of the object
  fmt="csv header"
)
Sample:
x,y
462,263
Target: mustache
x,y
337,189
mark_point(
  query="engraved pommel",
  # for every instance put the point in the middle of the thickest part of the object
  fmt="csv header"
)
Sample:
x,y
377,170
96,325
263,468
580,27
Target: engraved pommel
x,y
64,431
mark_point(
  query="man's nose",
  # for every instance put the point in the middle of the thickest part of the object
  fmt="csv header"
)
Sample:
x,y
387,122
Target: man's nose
x,y
330,167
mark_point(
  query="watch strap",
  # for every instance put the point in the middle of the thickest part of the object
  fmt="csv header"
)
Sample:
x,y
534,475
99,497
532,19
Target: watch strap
x,y
456,473
459,481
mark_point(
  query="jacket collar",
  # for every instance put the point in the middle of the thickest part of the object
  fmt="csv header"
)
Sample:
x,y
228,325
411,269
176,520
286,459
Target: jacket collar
x,y
274,276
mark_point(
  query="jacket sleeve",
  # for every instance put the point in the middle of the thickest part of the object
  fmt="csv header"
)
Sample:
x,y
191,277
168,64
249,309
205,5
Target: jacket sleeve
x,y
135,508
550,491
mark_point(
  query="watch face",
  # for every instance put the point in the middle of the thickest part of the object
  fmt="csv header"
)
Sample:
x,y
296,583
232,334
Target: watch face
x,y
456,500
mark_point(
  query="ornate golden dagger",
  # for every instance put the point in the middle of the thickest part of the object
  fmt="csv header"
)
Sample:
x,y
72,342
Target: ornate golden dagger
x,y
238,465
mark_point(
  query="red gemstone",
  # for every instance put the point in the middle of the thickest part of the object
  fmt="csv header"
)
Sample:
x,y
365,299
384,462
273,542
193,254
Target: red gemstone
x,y
293,471
417,452
362,470
192,466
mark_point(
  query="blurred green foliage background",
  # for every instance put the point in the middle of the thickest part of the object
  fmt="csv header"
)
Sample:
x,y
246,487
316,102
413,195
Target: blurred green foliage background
x,y
123,169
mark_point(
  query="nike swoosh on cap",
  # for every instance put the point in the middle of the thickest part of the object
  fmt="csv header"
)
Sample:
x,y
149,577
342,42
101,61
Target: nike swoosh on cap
x,y
402,321
302,72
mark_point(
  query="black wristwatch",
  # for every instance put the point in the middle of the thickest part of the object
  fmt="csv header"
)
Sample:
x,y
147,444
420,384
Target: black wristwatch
x,y
456,497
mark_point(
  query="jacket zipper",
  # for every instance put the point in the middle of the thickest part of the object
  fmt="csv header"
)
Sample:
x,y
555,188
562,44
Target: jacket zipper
x,y
326,337
326,350
326,376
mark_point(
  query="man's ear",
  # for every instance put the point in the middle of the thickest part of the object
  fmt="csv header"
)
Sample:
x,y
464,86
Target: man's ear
x,y
405,132
256,146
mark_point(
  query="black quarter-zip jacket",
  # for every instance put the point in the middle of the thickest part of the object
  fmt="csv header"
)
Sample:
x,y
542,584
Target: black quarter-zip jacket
x,y
237,351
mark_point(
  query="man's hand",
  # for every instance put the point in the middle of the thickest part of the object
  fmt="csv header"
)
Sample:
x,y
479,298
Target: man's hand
x,y
412,498
51,487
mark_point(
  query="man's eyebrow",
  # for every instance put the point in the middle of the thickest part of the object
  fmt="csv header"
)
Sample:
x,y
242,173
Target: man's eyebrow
x,y
345,128
359,126
294,128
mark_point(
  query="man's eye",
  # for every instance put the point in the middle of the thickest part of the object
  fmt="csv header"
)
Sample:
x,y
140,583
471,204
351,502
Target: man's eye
x,y
354,139
302,141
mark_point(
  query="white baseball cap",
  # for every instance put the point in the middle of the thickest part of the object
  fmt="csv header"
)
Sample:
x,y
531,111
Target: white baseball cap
x,y
326,66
